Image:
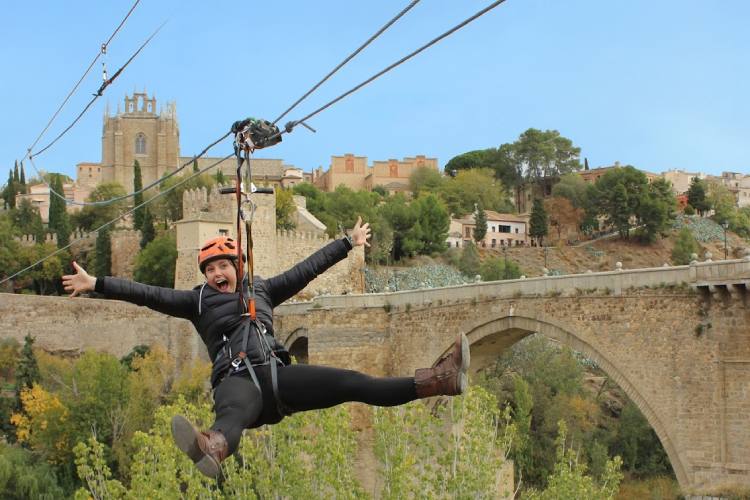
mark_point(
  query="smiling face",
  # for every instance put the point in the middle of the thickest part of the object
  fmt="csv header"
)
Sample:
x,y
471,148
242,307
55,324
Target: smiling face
x,y
221,275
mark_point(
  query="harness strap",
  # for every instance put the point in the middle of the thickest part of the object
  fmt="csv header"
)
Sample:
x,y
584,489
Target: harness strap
x,y
273,361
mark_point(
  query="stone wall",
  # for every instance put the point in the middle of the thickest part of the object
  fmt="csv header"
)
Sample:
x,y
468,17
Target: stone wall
x,y
73,325
125,245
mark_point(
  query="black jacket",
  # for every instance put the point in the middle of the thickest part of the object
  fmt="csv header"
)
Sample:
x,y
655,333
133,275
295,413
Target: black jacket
x,y
215,314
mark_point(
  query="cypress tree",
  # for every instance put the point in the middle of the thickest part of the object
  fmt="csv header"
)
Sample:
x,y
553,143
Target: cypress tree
x,y
16,176
538,227
103,249
27,370
195,166
10,191
220,180
148,233
23,180
59,222
138,198
480,223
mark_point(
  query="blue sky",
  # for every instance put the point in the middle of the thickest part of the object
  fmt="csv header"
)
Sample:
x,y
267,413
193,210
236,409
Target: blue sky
x,y
657,85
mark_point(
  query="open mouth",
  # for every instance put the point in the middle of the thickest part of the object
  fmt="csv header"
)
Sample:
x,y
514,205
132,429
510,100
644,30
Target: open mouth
x,y
222,284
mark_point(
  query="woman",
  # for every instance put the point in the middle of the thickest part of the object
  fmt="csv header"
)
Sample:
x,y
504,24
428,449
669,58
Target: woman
x,y
253,382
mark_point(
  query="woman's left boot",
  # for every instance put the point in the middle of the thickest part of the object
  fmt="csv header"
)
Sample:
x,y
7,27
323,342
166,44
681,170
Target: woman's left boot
x,y
449,376
206,449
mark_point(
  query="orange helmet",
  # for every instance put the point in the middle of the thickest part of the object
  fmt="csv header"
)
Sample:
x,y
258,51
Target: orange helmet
x,y
221,247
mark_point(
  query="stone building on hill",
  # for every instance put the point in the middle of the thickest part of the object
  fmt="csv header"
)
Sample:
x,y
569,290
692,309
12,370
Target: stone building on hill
x,y
354,173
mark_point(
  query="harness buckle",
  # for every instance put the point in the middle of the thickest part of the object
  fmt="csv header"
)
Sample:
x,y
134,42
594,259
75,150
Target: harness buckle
x,y
236,362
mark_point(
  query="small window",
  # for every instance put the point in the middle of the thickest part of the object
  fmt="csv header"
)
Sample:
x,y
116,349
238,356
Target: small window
x,y
140,144
516,230
504,229
494,242
223,232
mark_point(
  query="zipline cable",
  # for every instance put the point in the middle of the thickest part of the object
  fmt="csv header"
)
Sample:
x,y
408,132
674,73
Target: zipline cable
x,y
75,87
290,126
98,94
348,58
119,217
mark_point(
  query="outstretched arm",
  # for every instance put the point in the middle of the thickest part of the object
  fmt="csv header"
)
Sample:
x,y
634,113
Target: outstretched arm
x,y
178,303
291,282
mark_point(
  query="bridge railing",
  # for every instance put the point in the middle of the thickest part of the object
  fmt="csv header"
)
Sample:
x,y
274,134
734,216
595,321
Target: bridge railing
x,y
608,282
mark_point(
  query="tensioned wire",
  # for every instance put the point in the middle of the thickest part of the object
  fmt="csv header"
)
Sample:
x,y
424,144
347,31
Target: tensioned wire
x,y
75,87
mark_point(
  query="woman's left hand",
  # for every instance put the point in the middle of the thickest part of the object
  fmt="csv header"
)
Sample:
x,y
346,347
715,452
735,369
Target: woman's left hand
x,y
360,233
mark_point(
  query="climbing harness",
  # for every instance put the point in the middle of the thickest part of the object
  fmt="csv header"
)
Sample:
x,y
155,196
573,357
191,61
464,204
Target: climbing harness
x,y
251,134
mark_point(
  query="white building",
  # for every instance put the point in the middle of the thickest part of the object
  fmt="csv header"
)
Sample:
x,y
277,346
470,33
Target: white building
x,y
502,230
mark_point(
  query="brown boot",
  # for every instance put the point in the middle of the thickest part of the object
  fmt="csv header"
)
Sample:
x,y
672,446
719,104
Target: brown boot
x,y
448,376
206,449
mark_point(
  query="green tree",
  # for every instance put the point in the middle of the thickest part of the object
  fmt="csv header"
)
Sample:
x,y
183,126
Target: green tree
x,y
480,223
539,154
9,191
684,246
27,370
697,196
195,166
474,186
27,220
569,479
155,264
638,444
722,201
469,262
499,160
574,188
538,225
495,269
433,223
103,250
169,206
59,222
220,179
25,475
425,180
657,210
618,195
402,218
22,180
148,232
93,216
139,213
285,209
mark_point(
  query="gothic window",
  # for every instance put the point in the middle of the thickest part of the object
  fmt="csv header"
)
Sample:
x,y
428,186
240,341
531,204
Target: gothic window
x,y
349,164
140,144
393,169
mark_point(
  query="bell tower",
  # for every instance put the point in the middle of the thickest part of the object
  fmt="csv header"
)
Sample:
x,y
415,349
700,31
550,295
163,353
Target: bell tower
x,y
140,133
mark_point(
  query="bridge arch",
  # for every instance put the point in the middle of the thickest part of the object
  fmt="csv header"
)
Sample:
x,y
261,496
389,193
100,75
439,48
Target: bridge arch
x,y
490,339
297,345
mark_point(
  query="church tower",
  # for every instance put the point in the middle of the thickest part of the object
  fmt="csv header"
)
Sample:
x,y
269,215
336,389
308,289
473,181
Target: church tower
x,y
140,133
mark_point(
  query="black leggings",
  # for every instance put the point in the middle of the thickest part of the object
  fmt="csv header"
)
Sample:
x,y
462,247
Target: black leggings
x,y
238,405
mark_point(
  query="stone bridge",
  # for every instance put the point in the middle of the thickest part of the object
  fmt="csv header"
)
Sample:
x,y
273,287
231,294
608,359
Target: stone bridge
x,y
675,339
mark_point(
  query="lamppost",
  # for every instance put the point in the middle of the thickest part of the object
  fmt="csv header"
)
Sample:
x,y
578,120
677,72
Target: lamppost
x,y
725,225
505,264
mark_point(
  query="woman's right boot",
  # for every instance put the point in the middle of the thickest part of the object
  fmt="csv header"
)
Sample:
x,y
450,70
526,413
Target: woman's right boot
x,y
206,449
449,375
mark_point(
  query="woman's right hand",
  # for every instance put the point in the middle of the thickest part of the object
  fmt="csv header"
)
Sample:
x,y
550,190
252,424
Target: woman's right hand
x,y
78,283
